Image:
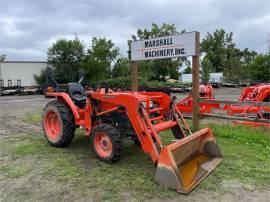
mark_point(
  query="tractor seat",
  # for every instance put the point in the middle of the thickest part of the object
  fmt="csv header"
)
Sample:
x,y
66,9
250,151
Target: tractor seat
x,y
77,94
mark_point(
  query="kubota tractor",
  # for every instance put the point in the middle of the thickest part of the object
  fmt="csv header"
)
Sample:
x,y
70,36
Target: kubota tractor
x,y
109,117
257,93
206,92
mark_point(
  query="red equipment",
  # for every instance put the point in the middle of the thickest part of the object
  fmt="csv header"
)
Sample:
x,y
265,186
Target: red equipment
x,y
109,117
252,123
257,93
206,92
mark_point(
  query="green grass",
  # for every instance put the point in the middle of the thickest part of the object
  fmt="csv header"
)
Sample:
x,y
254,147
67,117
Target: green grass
x,y
246,154
15,171
33,118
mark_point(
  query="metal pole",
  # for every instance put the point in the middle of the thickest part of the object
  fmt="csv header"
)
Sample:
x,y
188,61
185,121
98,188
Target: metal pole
x,y
134,76
195,84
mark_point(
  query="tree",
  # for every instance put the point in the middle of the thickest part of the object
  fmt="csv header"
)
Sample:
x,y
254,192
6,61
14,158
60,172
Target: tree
x,y
158,69
66,56
145,70
225,57
215,45
99,59
41,78
206,70
121,68
233,68
260,68
237,63
188,70
247,57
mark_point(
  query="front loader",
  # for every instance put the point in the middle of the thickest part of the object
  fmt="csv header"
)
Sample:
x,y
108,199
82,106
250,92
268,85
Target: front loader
x,y
109,117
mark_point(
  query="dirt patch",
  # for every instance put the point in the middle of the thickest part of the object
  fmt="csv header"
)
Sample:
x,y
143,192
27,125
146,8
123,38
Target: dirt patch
x,y
12,111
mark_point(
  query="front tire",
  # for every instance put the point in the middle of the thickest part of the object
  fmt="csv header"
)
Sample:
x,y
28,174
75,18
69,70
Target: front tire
x,y
58,124
107,143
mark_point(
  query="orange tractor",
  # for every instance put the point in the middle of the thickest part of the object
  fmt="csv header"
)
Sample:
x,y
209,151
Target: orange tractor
x,y
110,117
206,92
257,93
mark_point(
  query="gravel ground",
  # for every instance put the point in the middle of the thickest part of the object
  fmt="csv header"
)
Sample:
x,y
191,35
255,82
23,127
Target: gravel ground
x,y
13,109
220,94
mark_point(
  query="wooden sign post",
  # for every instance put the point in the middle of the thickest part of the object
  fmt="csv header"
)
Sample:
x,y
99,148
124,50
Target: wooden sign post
x,y
181,45
134,76
196,83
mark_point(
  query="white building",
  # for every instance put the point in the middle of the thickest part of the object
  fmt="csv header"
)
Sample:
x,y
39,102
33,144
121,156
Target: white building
x,y
21,73
213,77
185,78
216,77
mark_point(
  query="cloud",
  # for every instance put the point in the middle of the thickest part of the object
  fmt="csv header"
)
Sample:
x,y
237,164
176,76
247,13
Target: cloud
x,y
29,27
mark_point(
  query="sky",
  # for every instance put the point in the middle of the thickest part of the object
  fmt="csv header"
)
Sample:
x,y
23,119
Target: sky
x,y
29,27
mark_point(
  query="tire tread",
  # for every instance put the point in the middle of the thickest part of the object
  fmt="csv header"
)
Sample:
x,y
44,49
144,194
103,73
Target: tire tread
x,y
68,127
116,140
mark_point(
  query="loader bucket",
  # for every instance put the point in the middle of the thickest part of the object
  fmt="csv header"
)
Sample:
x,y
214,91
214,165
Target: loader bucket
x,y
185,163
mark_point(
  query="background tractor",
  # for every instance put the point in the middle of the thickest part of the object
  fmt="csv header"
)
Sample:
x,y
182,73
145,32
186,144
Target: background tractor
x,y
206,92
249,95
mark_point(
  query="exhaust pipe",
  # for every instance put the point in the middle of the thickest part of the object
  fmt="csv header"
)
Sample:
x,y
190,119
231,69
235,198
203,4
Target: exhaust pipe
x,y
185,163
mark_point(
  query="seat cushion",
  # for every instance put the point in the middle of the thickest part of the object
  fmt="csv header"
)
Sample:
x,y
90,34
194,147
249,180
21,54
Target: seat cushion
x,y
77,94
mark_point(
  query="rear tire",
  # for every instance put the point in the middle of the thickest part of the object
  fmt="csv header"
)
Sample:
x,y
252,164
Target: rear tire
x,y
58,124
107,143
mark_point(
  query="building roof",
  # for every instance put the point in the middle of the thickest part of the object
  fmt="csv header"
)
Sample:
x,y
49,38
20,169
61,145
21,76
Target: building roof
x,y
23,61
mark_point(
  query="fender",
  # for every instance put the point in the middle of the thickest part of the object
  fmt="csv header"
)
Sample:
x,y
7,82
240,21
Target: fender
x,y
68,101
82,116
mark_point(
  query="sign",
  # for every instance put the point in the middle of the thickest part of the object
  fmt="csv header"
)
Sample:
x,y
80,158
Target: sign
x,y
181,45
